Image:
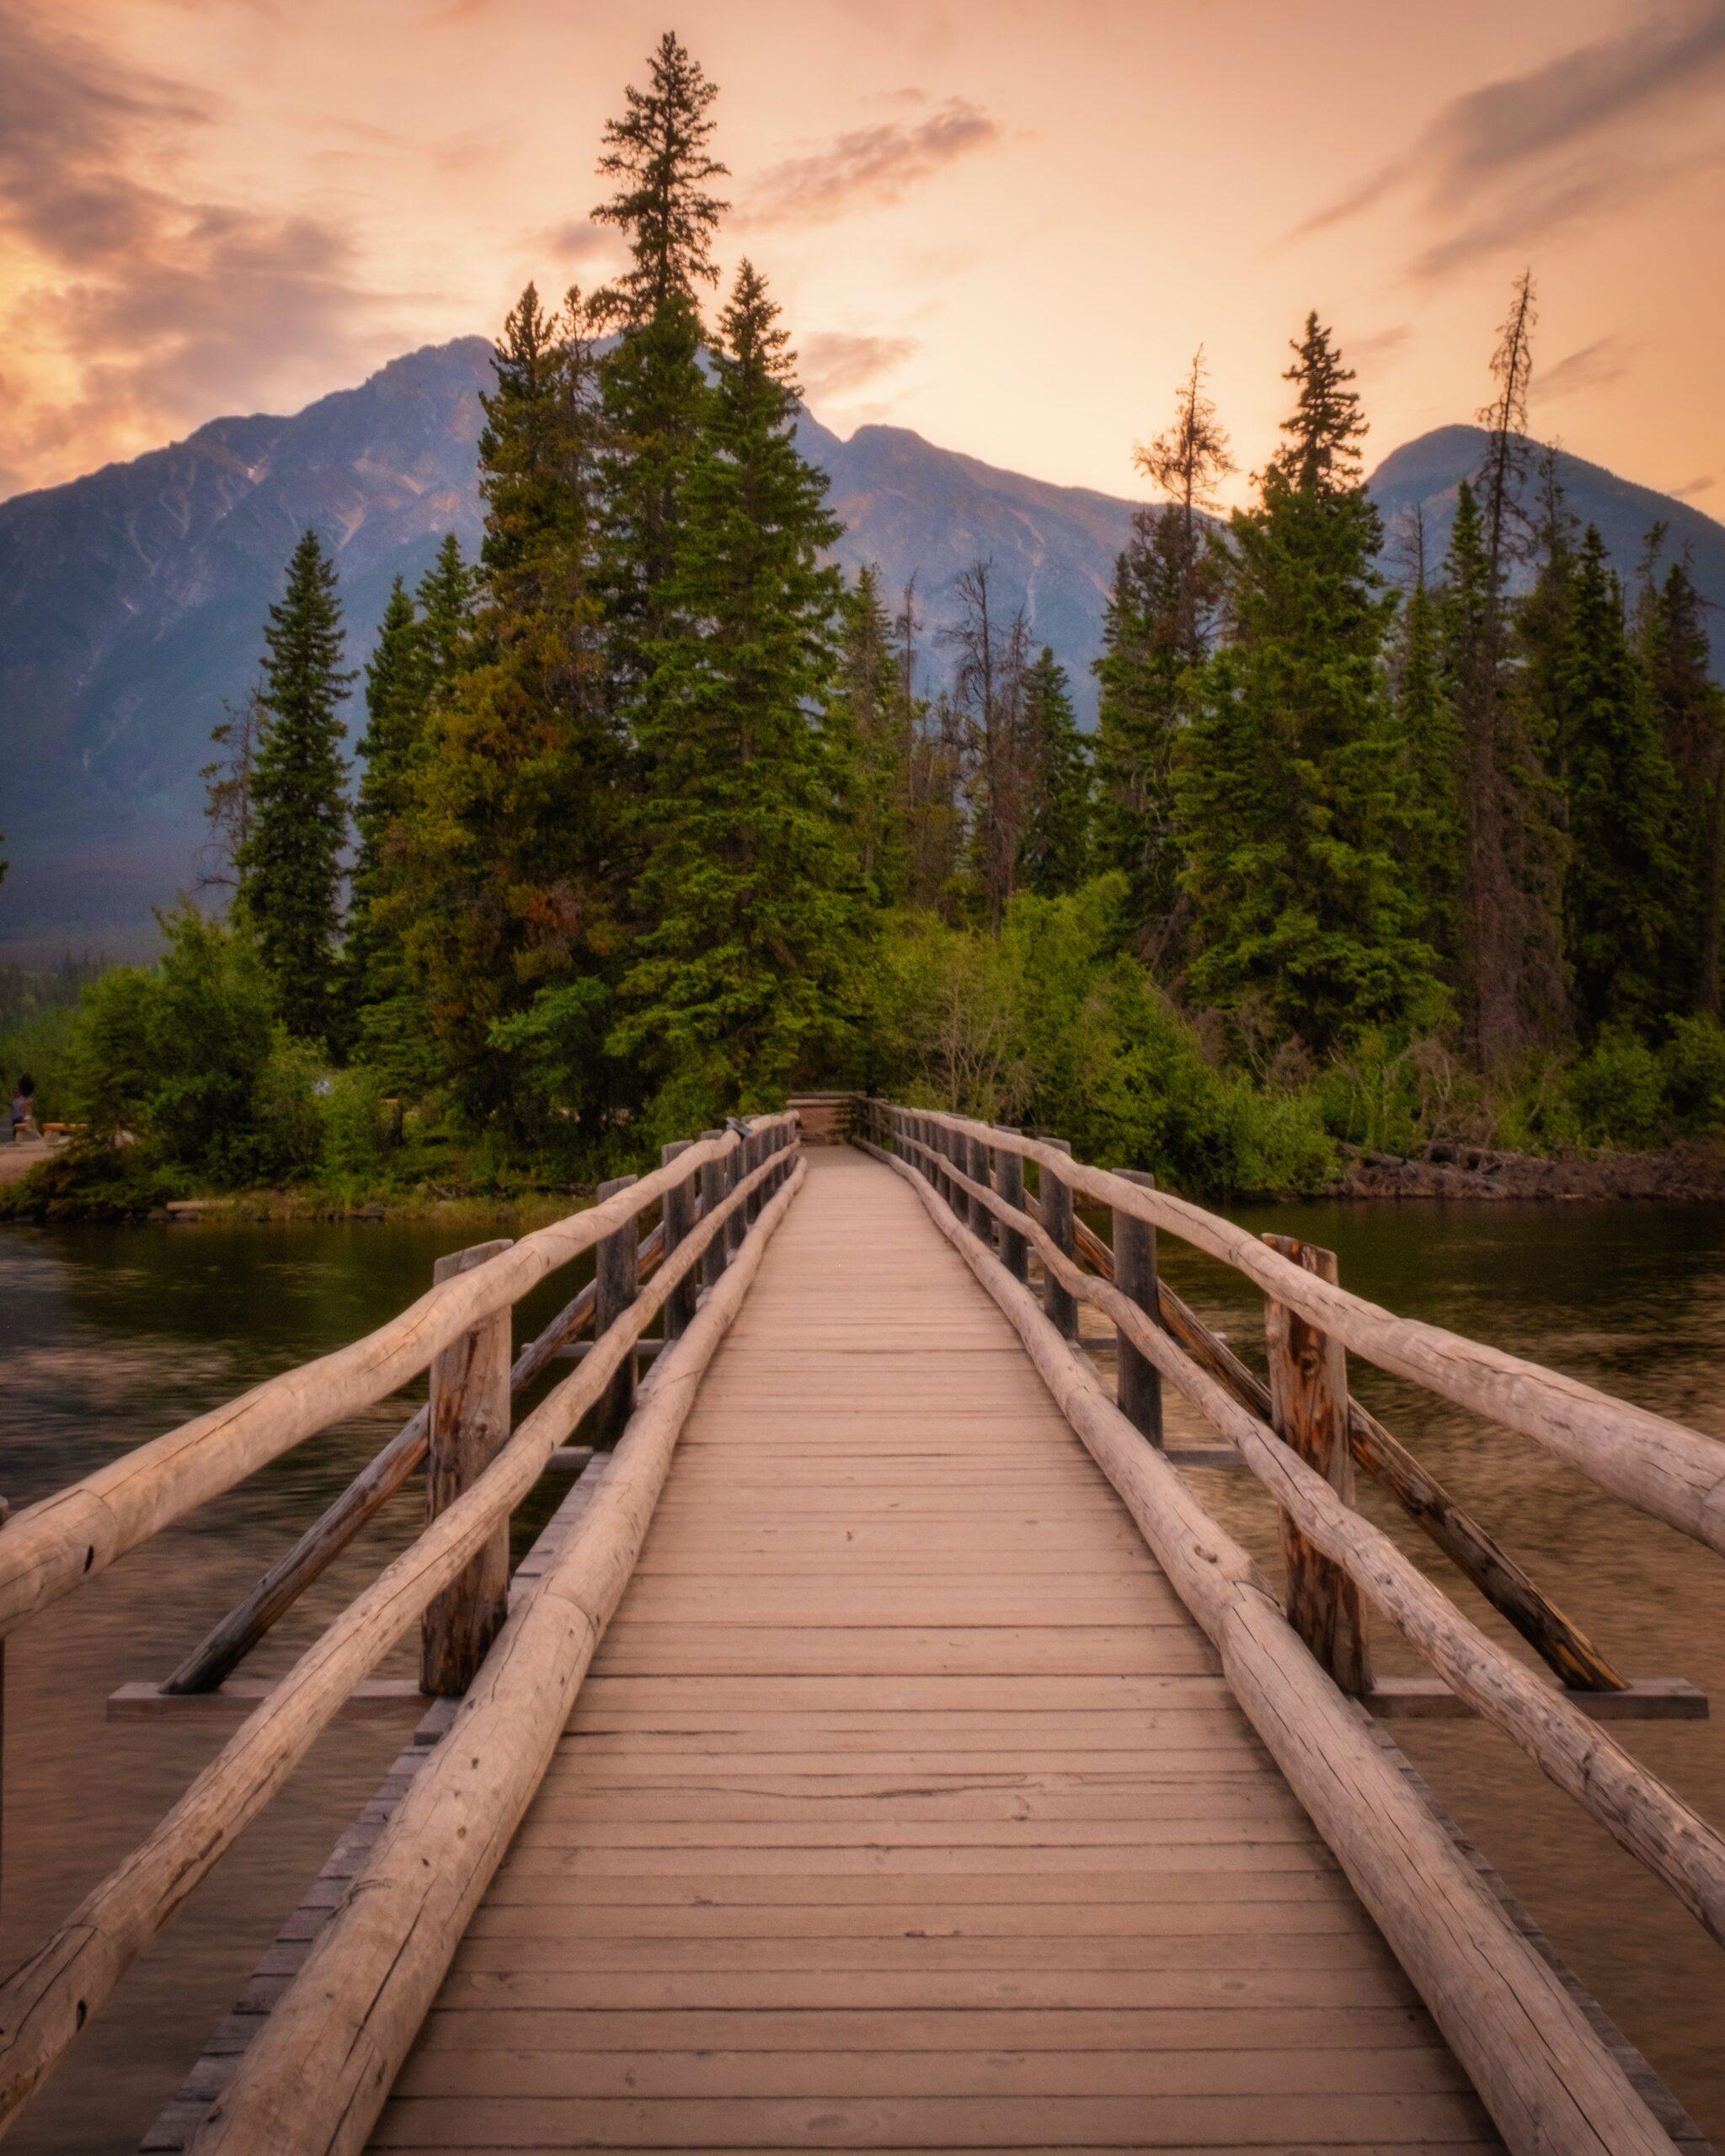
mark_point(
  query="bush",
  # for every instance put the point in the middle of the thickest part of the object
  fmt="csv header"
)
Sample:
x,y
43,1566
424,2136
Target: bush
x,y
1618,1093
1694,1061
350,1109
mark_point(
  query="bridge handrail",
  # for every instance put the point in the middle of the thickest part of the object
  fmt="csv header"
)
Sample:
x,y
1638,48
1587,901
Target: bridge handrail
x,y
51,1547
1673,1474
1547,2075
50,1997
1631,1802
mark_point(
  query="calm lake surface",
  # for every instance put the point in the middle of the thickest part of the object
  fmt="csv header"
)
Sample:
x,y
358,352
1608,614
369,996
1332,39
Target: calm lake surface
x,y
112,1335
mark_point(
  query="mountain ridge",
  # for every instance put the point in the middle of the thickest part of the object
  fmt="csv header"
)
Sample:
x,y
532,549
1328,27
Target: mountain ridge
x,y
132,598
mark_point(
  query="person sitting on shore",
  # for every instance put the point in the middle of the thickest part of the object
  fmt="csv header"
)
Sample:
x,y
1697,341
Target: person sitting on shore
x,y
23,1109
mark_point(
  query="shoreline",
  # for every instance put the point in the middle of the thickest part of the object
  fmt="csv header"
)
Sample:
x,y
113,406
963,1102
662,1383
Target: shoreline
x,y
1690,1174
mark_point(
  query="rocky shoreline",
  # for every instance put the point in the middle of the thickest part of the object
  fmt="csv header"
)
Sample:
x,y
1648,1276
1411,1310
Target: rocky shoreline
x,y
1691,1172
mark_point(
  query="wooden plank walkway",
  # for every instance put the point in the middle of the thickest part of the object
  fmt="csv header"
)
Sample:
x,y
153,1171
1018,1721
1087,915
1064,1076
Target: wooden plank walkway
x,y
904,1807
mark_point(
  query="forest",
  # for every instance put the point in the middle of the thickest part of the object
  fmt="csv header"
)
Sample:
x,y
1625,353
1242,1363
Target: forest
x,y
654,818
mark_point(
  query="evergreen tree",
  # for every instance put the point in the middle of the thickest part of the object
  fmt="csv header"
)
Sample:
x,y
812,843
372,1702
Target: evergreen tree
x,y
1156,631
934,816
1053,853
1431,754
739,977
870,712
1612,764
652,381
446,597
1289,780
1672,641
512,898
389,749
289,865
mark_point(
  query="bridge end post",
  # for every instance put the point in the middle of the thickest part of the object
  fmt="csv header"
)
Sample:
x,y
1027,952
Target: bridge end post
x,y
1056,1195
469,1425
1309,1409
1140,1385
617,1279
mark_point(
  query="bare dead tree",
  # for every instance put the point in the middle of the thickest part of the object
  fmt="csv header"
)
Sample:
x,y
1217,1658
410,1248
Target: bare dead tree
x,y
227,791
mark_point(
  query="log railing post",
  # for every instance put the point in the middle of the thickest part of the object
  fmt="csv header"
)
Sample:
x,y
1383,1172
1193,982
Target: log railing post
x,y
1056,1194
715,1182
470,1397
736,1227
618,1276
1139,1387
976,1167
1309,1408
753,1153
1015,1251
678,1216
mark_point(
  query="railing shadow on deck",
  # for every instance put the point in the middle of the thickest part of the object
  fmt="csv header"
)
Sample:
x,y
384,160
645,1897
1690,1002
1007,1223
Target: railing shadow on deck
x,y
1302,1673
515,1671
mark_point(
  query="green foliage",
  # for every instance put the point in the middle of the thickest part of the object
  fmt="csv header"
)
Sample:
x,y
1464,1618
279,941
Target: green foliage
x,y
353,1147
1053,853
1694,1059
289,865
745,890
1051,1025
1290,788
189,1060
1618,1091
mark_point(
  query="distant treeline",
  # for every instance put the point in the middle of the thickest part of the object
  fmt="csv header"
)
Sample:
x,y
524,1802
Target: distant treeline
x,y
653,822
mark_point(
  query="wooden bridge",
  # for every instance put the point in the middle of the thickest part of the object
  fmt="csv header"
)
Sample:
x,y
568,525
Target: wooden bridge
x,y
882,1748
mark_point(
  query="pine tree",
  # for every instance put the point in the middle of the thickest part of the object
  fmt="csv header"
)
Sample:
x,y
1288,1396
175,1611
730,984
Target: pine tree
x,y
1612,764
1430,748
1289,789
389,749
869,710
290,866
652,381
516,866
1672,641
1053,853
446,597
739,979
1158,631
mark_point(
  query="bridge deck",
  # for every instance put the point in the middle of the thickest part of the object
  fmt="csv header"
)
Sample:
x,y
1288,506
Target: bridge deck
x,y
904,1807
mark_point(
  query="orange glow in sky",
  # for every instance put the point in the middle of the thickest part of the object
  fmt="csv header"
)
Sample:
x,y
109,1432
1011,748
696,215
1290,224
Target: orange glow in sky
x,y
1005,225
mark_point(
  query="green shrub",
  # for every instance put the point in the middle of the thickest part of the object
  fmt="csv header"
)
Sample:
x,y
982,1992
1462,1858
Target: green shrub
x,y
350,1109
1694,1060
1618,1093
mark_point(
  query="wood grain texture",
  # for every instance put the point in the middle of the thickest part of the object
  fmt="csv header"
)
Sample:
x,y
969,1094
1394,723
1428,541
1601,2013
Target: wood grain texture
x,y
901,1808
469,1408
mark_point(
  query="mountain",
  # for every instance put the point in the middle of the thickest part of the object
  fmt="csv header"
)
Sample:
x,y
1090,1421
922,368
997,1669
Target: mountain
x,y
1424,475
131,601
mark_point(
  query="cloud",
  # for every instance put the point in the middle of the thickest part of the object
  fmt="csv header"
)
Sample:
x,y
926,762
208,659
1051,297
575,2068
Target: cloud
x,y
137,310
1606,360
578,239
1701,486
870,167
1379,344
1515,159
834,363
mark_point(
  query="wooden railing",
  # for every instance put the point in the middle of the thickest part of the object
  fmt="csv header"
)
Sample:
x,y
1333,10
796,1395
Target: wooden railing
x,y
1302,1672
515,1670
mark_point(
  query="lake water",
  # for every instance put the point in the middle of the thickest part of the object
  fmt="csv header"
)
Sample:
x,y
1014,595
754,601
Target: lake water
x,y
112,1335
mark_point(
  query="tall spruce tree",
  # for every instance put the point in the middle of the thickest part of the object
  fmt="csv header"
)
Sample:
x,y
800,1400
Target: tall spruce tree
x,y
389,750
1430,748
1671,639
1290,791
738,977
870,713
290,864
658,155
1054,852
517,870
1612,765
1157,633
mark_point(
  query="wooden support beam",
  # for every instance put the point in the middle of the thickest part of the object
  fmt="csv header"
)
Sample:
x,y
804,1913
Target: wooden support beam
x,y
715,1182
976,1164
678,1214
470,1400
1644,1699
1009,1181
1138,1386
375,1699
619,1280
1309,1411
1057,1207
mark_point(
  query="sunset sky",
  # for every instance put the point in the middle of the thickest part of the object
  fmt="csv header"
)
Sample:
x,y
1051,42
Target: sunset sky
x,y
1005,225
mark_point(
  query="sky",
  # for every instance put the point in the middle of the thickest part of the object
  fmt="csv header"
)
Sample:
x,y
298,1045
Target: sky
x,y
1006,224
